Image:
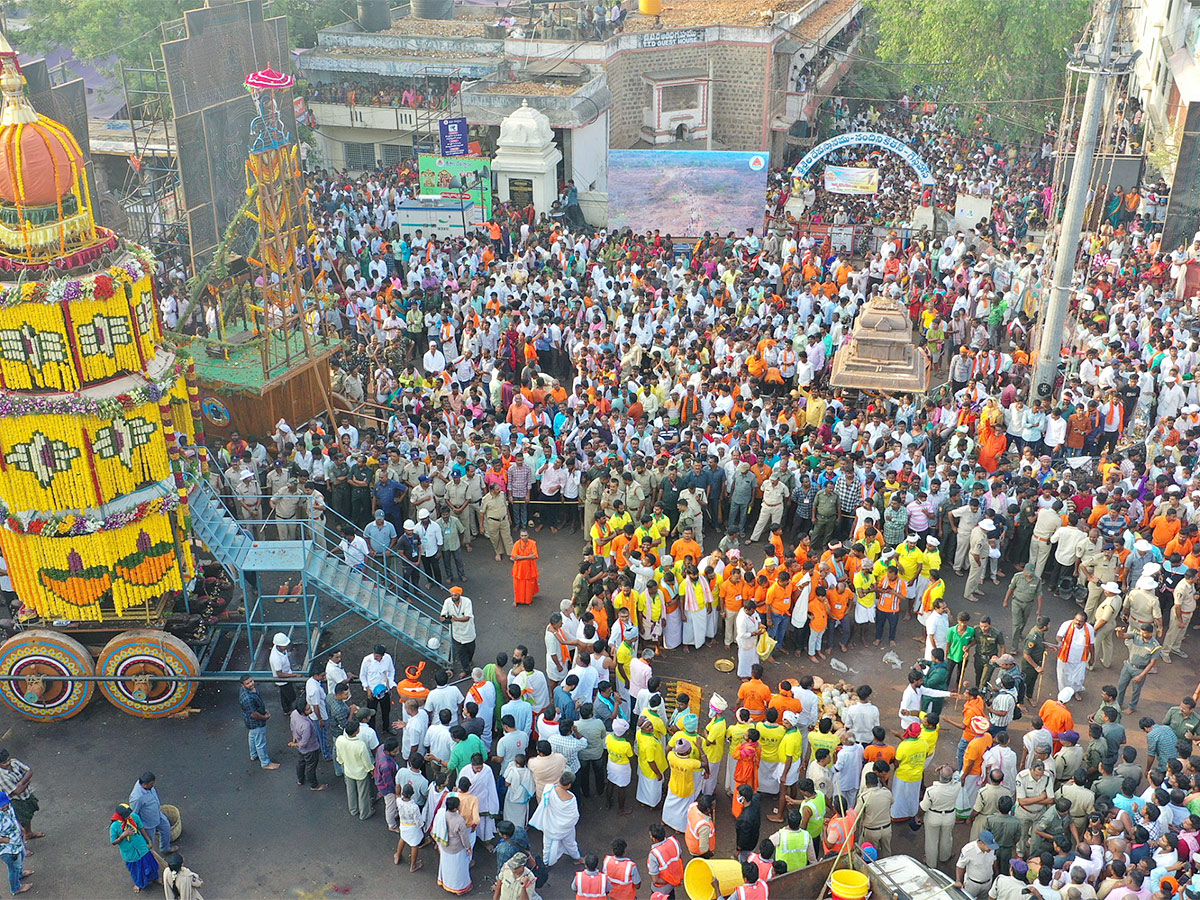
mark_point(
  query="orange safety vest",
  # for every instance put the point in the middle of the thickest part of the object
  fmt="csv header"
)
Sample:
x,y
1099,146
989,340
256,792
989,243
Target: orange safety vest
x,y
695,819
592,886
756,891
889,596
670,864
619,873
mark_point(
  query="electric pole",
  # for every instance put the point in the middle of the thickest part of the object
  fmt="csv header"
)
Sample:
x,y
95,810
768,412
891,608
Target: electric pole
x,y
1097,62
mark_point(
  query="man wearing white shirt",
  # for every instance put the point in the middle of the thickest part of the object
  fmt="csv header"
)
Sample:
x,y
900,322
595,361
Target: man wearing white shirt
x,y
861,718
378,671
316,696
444,696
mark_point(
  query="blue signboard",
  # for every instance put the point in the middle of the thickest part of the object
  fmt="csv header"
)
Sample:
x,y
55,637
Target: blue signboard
x,y
455,136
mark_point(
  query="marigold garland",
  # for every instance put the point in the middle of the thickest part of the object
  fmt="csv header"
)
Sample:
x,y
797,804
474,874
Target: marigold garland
x,y
84,522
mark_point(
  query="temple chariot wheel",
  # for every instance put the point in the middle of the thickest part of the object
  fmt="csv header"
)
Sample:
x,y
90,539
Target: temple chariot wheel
x,y
138,655
40,652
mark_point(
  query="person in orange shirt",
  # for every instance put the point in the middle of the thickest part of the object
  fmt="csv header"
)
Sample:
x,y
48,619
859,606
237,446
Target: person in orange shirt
x,y
622,544
761,585
784,701
972,763
776,540
993,442
891,593
754,695
818,621
779,606
840,598
1183,542
1166,526
687,546
733,592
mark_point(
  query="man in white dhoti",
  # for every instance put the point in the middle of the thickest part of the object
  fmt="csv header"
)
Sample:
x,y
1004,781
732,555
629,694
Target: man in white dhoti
x,y
1076,644
453,839
521,789
556,818
747,628
483,787
697,599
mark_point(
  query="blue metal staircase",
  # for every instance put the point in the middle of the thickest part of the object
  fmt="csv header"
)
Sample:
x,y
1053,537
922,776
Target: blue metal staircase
x,y
395,605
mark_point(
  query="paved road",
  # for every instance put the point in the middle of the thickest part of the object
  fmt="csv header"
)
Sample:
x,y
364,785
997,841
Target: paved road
x,y
255,834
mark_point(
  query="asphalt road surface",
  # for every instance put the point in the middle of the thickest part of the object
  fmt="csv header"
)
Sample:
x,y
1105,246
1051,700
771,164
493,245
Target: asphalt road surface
x,y
256,834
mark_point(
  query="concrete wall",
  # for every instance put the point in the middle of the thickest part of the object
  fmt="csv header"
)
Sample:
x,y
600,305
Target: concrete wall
x,y
739,89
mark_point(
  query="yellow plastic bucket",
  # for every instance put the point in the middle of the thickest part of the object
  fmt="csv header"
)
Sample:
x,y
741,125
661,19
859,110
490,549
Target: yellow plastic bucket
x,y
654,8
846,884
699,874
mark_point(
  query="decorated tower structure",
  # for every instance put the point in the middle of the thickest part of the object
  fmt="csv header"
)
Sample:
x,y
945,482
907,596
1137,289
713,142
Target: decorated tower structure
x,y
94,413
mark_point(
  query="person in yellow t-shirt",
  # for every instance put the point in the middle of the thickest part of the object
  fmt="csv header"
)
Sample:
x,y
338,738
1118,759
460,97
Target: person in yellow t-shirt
x,y
911,754
652,764
770,739
683,785
619,769
713,743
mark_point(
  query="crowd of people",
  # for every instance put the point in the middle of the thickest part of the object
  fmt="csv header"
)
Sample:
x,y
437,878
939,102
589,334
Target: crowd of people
x,y
675,410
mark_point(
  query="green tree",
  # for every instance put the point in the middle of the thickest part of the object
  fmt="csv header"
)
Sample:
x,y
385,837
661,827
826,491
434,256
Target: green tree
x,y
96,30
983,50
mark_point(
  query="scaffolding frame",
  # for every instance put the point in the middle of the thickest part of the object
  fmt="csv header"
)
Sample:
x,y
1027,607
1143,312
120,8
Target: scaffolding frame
x,y
155,218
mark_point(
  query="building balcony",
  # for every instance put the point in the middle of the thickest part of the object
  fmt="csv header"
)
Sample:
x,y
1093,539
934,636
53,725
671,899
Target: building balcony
x,y
380,118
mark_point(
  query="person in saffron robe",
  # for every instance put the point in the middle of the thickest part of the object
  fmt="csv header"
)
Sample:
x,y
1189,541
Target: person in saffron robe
x,y
524,570
745,770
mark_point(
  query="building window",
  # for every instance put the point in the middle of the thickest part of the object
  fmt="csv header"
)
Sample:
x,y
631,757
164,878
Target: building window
x,y
680,96
395,154
360,156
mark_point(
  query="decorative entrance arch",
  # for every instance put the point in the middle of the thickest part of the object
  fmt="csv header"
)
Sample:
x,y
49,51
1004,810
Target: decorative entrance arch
x,y
869,138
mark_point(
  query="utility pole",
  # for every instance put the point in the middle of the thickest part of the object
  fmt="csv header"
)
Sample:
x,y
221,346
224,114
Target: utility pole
x,y
1097,61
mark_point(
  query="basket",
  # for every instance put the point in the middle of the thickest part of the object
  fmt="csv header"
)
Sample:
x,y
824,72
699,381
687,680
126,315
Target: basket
x,y
171,814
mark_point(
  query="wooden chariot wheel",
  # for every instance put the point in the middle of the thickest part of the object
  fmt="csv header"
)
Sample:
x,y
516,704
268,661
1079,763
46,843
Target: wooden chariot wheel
x,y
136,655
40,652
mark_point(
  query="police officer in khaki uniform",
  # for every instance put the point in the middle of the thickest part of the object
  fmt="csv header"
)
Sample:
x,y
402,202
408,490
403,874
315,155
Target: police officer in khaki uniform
x,y
1105,622
1098,569
460,505
288,506
1024,591
494,512
1142,606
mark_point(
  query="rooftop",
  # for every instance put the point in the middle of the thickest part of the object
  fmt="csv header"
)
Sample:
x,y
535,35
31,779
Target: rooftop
x,y
531,88
698,13
464,24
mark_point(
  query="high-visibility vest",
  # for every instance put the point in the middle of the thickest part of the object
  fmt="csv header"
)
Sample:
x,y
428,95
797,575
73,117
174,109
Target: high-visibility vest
x,y
695,819
592,886
619,873
756,891
794,847
816,822
670,864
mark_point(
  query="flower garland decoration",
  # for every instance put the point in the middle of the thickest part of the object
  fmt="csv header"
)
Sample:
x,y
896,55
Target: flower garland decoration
x,y
76,404
100,285
77,523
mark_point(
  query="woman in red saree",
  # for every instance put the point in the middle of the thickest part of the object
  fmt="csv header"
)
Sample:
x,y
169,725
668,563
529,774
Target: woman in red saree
x,y
524,570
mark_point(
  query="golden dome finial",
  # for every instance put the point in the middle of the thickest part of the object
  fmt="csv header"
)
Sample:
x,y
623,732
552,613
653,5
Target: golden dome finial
x,y
16,109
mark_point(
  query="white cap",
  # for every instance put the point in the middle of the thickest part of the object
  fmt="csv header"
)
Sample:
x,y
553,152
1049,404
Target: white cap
x,y
1145,583
423,514
1065,695
280,639
1142,545
1150,570
932,542
409,524
1112,587
987,525
913,538
717,704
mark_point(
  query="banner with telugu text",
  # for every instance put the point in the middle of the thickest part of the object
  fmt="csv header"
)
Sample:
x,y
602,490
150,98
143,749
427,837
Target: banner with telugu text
x,y
851,180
